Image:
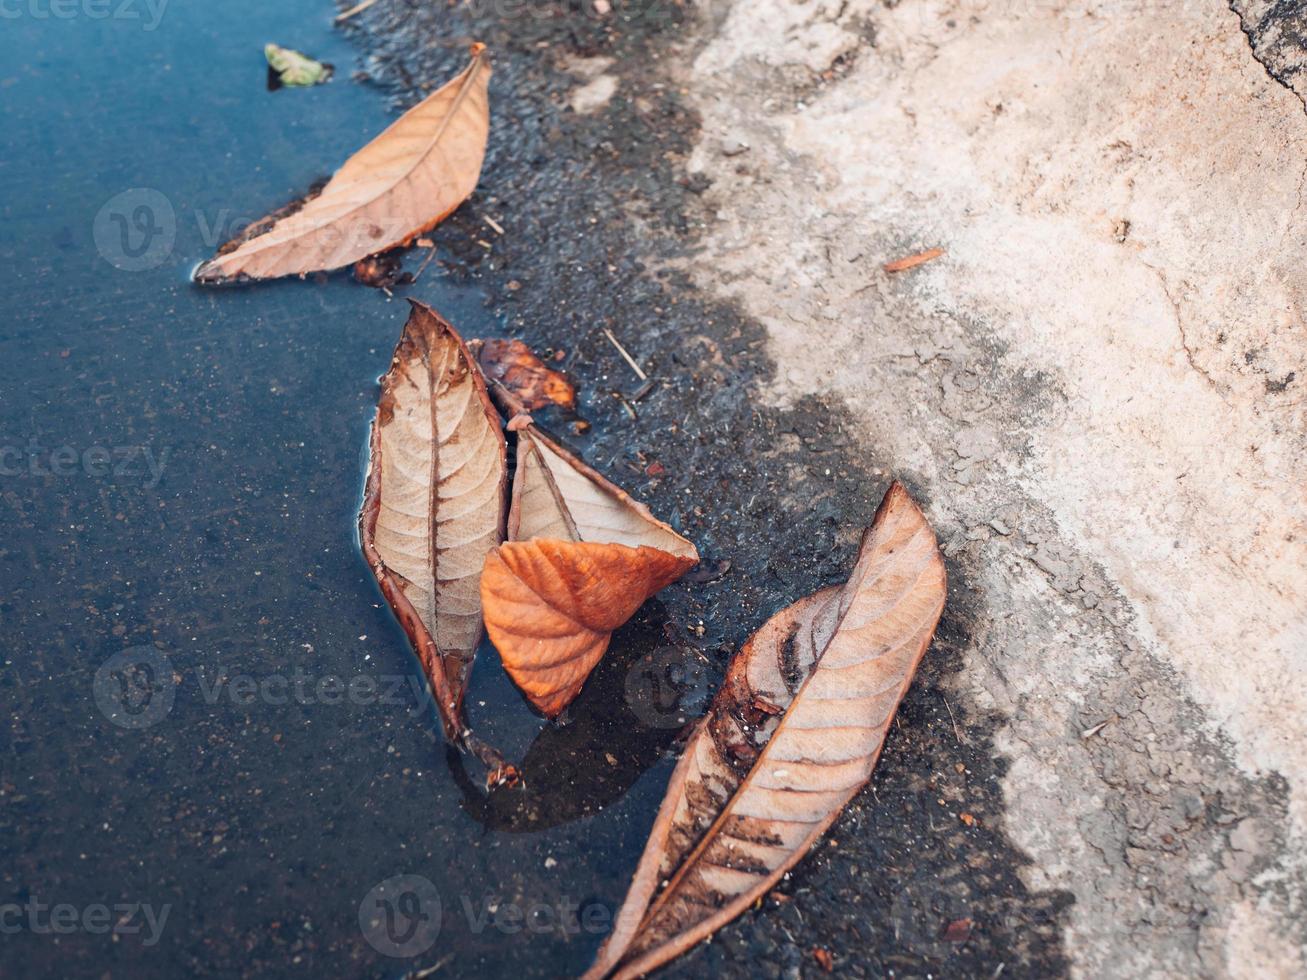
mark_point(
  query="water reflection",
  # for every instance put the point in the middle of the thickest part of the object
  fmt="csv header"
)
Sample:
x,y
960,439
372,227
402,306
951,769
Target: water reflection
x,y
647,690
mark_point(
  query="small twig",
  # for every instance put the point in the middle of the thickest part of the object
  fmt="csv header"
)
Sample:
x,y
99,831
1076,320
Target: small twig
x,y
431,254
1095,729
358,8
492,223
956,733
643,390
630,409
629,359
513,405
423,974
912,261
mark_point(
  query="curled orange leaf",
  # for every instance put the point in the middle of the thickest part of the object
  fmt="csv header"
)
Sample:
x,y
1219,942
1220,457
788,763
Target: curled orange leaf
x,y
583,556
550,607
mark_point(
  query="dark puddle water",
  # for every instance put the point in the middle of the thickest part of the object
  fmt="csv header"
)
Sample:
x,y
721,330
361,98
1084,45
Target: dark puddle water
x,y
210,725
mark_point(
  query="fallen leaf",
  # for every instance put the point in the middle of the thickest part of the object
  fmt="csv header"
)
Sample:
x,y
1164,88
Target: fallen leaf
x,y
551,606
434,502
753,790
912,261
555,495
581,557
967,819
403,183
533,383
295,70
823,958
381,271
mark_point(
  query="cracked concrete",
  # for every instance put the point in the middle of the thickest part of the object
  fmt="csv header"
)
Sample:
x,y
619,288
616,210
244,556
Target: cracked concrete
x,y
1102,380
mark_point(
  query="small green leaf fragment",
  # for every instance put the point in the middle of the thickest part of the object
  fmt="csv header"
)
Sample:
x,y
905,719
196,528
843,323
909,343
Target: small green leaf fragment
x,y
294,69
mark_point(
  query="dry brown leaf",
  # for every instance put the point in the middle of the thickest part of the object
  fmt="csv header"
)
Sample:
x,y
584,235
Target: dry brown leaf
x,y
756,789
403,183
434,504
589,557
381,271
555,495
532,382
551,606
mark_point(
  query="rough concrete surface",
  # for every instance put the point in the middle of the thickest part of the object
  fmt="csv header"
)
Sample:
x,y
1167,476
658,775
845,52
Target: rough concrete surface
x,y
1102,379
1097,391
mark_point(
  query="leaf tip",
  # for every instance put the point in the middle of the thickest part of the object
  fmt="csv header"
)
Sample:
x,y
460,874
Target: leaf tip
x,y
203,273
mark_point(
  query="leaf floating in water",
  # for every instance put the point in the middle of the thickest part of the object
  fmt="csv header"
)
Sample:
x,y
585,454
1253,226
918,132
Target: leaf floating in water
x,y
406,181
294,70
434,503
551,607
791,738
582,557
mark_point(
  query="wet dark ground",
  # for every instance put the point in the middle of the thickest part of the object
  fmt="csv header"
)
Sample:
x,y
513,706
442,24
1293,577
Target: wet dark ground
x,y
261,816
